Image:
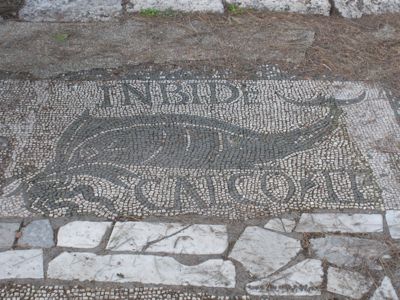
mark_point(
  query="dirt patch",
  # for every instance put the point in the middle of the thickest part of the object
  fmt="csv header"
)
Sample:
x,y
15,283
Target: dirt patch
x,y
308,46
363,49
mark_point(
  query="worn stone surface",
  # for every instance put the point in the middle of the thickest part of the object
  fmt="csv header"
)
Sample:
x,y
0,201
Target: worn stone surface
x,y
358,8
349,251
21,264
339,222
38,233
127,43
263,252
82,234
214,6
70,10
393,221
284,225
348,283
7,234
141,268
375,130
303,279
169,238
321,7
385,291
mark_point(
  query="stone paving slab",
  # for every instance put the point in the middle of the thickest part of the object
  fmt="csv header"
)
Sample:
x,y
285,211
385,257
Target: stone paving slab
x,y
38,233
348,283
82,234
101,10
303,279
141,268
358,8
349,251
213,6
284,225
393,221
278,263
7,234
71,10
385,291
321,7
169,237
263,252
21,264
338,222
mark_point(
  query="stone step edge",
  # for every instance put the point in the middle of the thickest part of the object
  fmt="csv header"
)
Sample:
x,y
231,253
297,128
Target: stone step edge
x,y
35,10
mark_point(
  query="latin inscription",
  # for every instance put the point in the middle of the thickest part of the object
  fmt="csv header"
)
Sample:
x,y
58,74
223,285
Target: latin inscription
x,y
229,149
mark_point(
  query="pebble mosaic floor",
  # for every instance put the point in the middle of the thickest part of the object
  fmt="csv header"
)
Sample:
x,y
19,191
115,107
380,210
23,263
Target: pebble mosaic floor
x,y
212,147
100,174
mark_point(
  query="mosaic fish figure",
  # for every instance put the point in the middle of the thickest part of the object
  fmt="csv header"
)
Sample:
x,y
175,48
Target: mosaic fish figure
x,y
107,147
177,141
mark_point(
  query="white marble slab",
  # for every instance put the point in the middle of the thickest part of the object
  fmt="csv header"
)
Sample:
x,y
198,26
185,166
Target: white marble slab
x,y
215,6
169,237
21,264
348,283
262,252
297,6
385,291
393,221
340,222
147,269
358,8
345,251
302,279
82,234
283,225
7,234
71,10
37,234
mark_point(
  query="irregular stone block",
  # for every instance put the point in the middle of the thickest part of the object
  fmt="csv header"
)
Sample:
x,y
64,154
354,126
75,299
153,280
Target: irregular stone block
x,y
320,7
169,238
347,283
358,8
338,222
284,225
262,252
70,10
82,234
385,291
393,221
348,251
303,279
21,264
141,268
7,234
37,234
215,6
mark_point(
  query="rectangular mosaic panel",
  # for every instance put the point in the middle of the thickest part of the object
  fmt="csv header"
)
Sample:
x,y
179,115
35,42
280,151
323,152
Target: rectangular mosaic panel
x,y
220,148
